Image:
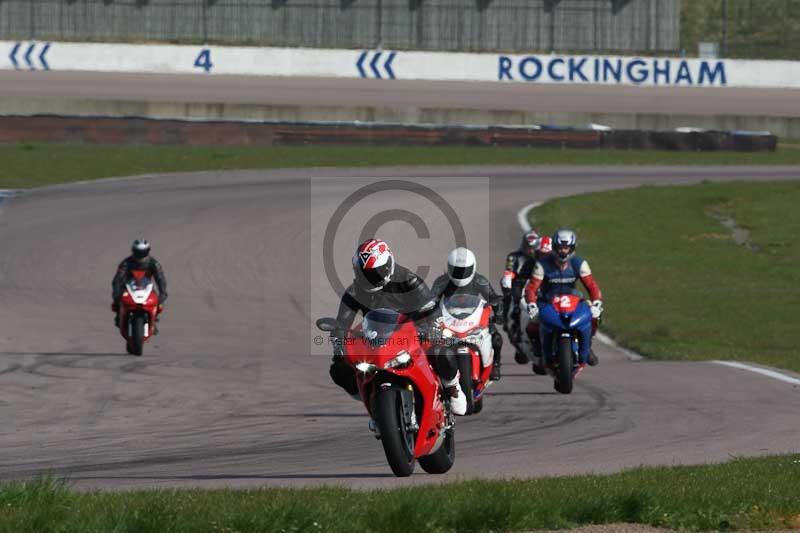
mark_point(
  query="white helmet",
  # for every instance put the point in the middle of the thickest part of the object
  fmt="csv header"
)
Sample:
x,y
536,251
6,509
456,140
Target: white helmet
x,y
461,267
564,238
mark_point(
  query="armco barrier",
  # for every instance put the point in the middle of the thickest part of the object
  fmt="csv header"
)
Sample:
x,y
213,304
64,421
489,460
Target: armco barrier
x,y
102,130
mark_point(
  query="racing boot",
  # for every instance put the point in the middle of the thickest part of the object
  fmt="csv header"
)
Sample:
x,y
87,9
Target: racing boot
x,y
458,401
538,366
521,358
495,373
593,360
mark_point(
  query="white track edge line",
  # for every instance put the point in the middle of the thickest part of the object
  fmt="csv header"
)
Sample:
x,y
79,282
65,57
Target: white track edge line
x,y
758,370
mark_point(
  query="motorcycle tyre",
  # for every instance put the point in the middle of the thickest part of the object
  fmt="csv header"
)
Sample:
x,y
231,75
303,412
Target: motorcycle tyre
x,y
388,417
563,377
137,339
465,380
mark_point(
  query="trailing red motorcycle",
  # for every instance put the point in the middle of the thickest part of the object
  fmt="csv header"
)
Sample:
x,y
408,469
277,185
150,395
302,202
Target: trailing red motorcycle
x,y
465,324
138,311
401,391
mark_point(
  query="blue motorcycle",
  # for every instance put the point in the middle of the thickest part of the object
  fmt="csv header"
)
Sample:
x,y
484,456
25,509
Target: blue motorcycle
x,y
565,329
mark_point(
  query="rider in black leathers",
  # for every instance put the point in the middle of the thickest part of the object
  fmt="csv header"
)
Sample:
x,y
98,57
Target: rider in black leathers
x,y
462,278
380,283
139,259
519,268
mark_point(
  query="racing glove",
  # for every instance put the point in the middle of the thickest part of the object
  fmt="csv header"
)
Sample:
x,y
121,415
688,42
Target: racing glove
x,y
597,308
533,310
338,349
506,281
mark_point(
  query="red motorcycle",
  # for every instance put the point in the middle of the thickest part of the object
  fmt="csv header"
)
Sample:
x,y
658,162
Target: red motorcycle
x,y
401,391
138,311
465,324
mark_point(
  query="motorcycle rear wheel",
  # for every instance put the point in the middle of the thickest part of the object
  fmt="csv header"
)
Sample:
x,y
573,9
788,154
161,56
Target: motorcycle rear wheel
x,y
137,339
389,418
563,378
442,459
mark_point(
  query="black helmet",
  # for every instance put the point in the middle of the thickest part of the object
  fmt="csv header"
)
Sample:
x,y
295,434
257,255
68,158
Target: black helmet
x,y
140,248
530,242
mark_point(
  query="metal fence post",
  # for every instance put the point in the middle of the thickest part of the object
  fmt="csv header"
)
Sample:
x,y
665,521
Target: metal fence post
x,y
379,29
724,28
205,20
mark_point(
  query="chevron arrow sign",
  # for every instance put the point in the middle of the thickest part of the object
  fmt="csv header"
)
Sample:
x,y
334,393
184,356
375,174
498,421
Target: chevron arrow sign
x,y
371,64
30,55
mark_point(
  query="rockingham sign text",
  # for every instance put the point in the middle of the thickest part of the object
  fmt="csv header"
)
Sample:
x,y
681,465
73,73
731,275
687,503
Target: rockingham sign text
x,y
611,70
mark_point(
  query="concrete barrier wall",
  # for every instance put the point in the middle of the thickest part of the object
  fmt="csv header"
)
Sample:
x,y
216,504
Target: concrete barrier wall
x,y
388,64
782,126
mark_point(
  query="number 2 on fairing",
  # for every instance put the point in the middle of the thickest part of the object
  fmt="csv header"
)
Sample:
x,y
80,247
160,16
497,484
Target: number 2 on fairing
x,y
204,60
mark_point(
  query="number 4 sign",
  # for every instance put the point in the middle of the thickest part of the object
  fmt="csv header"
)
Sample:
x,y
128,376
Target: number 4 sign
x,y
204,60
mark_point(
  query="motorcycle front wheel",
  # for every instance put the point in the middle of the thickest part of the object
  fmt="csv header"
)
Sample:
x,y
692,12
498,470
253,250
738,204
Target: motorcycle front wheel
x,y
398,443
137,338
563,378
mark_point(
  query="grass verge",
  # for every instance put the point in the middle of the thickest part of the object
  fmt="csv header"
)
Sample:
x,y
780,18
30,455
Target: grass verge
x,y
676,282
747,493
33,165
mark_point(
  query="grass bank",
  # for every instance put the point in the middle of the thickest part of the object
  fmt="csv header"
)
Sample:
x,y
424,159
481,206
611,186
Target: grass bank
x,y
32,165
695,272
748,493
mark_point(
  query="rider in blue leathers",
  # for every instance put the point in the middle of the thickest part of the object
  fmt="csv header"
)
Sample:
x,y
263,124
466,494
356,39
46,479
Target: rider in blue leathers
x,y
555,274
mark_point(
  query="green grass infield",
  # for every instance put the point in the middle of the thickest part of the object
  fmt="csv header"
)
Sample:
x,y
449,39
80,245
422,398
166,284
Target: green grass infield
x,y
743,494
696,272
32,165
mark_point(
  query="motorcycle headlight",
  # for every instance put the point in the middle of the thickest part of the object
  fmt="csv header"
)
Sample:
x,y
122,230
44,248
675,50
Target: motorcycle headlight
x,y
366,368
446,333
402,360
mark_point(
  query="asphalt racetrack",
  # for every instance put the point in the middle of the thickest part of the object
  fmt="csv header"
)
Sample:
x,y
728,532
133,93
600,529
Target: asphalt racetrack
x,y
232,392
298,91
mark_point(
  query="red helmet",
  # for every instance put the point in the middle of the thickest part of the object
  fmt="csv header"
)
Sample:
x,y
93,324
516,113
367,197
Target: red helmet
x,y
545,245
373,265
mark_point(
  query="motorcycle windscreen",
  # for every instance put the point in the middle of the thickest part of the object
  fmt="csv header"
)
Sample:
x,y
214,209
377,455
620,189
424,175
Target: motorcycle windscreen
x,y
140,287
140,284
379,325
462,306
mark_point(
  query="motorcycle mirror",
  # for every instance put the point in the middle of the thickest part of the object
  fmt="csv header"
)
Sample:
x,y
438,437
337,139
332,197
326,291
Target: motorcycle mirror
x,y
327,324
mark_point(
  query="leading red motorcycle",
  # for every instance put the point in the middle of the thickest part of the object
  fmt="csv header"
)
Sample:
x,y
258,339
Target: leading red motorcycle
x,y
401,391
138,311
